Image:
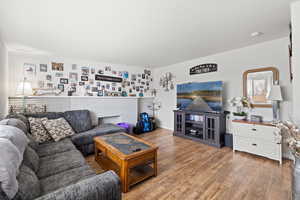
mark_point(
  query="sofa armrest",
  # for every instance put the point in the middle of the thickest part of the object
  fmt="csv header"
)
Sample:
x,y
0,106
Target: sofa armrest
x,y
105,186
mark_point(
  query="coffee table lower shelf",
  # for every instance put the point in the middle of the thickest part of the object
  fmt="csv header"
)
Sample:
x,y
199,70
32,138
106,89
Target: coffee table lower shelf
x,y
135,175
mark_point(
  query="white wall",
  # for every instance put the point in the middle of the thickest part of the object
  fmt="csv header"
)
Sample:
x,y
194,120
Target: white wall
x,y
16,73
3,80
295,12
231,66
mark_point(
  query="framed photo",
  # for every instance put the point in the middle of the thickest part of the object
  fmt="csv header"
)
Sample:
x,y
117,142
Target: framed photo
x,y
94,89
100,71
58,74
81,83
133,77
48,77
84,78
85,70
61,87
73,76
57,66
43,67
64,81
143,76
108,68
74,66
93,70
49,85
41,84
29,70
100,93
98,84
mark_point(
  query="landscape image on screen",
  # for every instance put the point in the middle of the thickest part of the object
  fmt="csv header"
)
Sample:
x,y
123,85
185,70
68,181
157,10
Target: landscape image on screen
x,y
197,96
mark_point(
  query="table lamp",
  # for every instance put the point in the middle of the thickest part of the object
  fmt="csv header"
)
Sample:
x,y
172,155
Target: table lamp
x,y
24,89
275,96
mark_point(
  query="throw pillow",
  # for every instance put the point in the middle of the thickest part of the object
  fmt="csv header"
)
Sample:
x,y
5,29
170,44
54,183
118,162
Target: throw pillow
x,y
58,128
38,131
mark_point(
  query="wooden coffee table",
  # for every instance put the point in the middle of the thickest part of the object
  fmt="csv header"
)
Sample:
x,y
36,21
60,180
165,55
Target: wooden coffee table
x,y
132,158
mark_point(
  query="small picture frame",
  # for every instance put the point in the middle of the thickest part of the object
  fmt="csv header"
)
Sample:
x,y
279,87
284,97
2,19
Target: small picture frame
x,y
64,81
81,83
43,67
84,78
100,93
61,87
57,66
48,77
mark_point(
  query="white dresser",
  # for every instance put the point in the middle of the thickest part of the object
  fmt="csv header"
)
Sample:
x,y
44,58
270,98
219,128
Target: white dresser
x,y
257,138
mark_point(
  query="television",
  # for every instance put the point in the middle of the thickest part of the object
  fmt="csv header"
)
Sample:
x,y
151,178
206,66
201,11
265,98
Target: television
x,y
200,96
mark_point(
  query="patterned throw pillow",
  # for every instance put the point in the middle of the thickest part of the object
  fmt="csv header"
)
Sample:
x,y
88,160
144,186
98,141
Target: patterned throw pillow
x,y
38,131
58,128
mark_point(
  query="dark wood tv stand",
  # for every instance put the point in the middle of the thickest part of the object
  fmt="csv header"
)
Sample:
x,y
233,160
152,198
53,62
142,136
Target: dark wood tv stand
x,y
205,127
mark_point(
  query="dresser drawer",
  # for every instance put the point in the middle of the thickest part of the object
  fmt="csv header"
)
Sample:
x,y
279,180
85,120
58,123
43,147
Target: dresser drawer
x,y
268,133
259,147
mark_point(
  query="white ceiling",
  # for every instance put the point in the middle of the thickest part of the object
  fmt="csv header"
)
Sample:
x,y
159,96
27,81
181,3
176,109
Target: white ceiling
x,y
139,32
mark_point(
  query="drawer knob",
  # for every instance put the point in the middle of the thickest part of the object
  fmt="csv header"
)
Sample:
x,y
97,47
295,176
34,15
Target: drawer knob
x,y
254,144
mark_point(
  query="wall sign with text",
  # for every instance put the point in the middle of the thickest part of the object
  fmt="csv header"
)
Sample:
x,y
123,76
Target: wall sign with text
x,y
204,68
108,78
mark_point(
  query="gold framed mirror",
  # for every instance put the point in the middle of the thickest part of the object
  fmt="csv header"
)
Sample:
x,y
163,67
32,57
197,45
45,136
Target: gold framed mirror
x,y
257,85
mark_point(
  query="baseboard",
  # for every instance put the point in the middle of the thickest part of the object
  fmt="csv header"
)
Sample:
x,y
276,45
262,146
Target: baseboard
x,y
164,127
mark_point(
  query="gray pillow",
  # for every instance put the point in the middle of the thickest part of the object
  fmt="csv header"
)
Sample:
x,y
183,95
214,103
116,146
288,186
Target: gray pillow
x,y
29,185
10,161
16,123
31,159
16,136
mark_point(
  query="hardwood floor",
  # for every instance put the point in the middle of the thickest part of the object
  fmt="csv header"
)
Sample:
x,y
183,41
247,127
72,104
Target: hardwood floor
x,y
190,170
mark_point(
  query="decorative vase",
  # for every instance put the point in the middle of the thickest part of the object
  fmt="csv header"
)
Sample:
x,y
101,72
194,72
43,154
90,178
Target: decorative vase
x,y
296,179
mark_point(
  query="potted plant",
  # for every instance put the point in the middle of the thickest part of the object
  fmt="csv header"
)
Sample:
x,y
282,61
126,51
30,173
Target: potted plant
x,y
240,103
291,133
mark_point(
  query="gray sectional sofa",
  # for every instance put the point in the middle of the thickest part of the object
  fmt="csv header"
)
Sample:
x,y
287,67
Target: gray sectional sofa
x,y
58,170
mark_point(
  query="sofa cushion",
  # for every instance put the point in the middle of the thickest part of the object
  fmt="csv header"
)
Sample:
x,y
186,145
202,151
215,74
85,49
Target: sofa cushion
x,y
52,148
54,164
57,128
80,120
29,185
87,136
21,117
38,131
65,178
31,159
16,123
10,161
49,115
16,136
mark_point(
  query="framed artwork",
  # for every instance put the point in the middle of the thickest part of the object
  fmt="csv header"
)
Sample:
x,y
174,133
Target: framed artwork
x,y
29,70
100,93
73,76
100,71
74,66
58,74
57,66
85,70
81,83
84,78
43,67
64,81
61,87
48,77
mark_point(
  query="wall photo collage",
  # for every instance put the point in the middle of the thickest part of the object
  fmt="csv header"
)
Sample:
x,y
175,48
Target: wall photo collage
x,y
77,80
